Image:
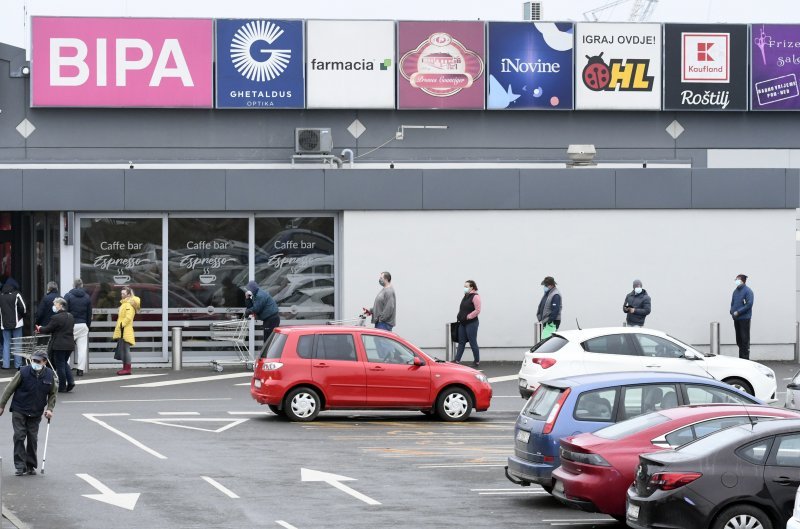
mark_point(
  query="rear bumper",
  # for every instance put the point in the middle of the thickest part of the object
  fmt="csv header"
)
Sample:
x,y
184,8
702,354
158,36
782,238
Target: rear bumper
x,y
669,510
266,391
524,472
591,492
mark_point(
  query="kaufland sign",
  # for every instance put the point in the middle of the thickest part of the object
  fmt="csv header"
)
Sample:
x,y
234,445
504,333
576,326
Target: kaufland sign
x,y
121,62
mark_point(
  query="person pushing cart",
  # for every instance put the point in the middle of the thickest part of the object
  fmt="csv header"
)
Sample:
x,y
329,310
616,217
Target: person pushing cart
x,y
34,389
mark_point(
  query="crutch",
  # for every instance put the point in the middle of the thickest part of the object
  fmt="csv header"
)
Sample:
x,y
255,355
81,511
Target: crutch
x,y
46,437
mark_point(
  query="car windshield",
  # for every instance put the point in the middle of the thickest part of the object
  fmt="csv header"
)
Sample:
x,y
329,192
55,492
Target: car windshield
x,y
549,345
631,426
688,347
542,401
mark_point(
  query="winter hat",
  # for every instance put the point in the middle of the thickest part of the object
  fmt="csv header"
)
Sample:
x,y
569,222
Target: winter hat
x,y
637,283
549,281
39,355
252,286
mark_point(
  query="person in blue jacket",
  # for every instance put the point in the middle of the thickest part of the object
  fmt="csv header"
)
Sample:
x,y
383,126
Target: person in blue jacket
x,y
742,311
261,305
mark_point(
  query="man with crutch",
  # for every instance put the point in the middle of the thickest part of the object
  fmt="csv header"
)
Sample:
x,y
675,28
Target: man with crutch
x,y
34,388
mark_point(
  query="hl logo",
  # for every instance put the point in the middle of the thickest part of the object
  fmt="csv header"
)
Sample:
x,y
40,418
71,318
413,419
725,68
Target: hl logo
x,y
616,76
704,52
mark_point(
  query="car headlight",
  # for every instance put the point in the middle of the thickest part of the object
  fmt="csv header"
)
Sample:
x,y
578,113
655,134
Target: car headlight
x,y
764,370
481,377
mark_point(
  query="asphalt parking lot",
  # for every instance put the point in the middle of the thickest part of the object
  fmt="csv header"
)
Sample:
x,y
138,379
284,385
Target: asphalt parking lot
x,y
191,449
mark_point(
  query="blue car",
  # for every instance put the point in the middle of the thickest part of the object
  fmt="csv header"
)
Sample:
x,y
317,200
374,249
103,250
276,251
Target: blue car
x,y
585,403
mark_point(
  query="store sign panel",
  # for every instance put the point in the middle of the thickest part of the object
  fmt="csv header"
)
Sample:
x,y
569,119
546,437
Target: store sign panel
x,y
530,65
618,66
121,62
260,64
350,64
441,65
705,67
775,67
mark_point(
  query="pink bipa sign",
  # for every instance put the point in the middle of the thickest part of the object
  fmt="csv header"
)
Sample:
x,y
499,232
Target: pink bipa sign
x,y
121,62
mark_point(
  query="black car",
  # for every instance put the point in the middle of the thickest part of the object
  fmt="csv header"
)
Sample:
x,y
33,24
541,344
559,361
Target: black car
x,y
744,477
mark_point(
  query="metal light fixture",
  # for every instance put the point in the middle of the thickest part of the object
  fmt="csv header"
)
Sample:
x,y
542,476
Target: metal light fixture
x,y
400,134
581,155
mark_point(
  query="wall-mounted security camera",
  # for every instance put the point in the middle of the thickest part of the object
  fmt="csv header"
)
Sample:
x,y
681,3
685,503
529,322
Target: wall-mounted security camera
x,y
26,71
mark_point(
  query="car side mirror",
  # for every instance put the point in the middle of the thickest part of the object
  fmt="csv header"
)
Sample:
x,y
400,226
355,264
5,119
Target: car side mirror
x,y
418,361
691,355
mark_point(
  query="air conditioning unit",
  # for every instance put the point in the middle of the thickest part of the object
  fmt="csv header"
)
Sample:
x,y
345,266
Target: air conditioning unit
x,y
532,11
313,141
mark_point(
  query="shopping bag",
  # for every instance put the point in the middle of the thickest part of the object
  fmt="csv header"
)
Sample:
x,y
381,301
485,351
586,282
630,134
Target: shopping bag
x,y
118,350
454,331
548,330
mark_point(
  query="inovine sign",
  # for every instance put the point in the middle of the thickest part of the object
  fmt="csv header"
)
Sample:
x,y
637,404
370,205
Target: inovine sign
x,y
121,62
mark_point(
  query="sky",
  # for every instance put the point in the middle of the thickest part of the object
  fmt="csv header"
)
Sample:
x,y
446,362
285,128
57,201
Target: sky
x,y
14,14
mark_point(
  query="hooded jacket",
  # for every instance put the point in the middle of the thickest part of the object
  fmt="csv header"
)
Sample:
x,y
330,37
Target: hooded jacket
x,y
12,306
641,305
79,304
128,308
261,303
60,329
45,310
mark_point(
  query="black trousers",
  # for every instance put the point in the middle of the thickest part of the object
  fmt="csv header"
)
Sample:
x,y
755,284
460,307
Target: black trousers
x,y
25,428
270,324
742,328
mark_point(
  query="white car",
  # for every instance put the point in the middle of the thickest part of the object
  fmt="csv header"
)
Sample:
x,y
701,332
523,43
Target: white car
x,y
794,521
615,349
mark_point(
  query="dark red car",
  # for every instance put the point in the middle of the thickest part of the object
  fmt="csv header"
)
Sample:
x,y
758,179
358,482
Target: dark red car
x,y
304,370
597,468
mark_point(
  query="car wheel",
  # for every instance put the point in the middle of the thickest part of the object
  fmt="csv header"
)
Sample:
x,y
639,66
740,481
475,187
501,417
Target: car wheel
x,y
742,517
277,410
453,405
740,384
302,404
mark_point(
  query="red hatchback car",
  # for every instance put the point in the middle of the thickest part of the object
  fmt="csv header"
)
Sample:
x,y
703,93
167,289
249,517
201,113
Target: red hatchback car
x,y
597,468
304,370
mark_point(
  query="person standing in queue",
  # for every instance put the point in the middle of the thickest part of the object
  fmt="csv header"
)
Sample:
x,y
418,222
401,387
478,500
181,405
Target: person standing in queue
x,y
468,322
12,312
384,308
34,389
44,311
129,305
260,305
637,305
742,312
79,304
62,342
549,311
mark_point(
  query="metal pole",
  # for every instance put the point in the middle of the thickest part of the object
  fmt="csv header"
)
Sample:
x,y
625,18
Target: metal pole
x,y
714,342
537,332
448,343
177,348
797,341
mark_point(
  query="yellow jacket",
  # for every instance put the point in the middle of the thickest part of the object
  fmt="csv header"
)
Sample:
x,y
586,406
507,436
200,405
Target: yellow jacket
x,y
127,310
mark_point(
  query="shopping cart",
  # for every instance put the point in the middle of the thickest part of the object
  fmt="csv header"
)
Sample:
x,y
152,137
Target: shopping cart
x,y
25,346
236,332
357,322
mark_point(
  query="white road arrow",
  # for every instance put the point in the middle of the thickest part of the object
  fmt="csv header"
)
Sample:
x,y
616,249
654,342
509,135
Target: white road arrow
x,y
335,480
125,500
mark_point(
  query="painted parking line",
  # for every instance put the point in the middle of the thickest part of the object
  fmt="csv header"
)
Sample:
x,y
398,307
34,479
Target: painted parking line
x,y
220,487
285,525
212,378
93,417
504,378
179,413
460,465
249,413
138,400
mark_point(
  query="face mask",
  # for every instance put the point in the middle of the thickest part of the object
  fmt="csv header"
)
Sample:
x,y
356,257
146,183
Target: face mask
x,y
466,290
381,282
36,367
55,309
638,290
737,282
546,288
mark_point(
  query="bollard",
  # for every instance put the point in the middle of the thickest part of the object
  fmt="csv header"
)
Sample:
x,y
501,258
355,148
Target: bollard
x,y
448,342
797,341
177,348
537,332
714,341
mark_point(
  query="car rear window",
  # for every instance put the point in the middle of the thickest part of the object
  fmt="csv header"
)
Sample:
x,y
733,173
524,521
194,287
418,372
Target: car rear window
x,y
274,346
631,426
542,401
549,345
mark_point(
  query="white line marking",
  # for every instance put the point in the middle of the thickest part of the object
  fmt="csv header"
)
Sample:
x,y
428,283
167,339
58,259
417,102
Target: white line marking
x,y
534,492
230,423
116,378
582,522
138,400
507,397
125,500
189,380
504,378
248,413
243,384
226,491
93,417
585,520
285,525
335,480
464,465
179,413
491,490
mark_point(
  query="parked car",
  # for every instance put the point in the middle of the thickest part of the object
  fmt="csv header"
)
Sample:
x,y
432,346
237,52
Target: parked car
x,y
636,349
586,403
303,370
794,521
793,392
597,468
741,477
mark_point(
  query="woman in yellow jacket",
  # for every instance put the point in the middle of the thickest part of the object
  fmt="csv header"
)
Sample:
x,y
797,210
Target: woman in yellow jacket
x,y
129,305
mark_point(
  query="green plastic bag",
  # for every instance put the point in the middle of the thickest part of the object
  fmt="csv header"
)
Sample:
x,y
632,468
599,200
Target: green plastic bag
x,y
548,329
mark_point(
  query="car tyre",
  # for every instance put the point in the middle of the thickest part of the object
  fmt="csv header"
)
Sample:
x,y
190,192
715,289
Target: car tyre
x,y
741,517
302,405
740,384
454,405
277,410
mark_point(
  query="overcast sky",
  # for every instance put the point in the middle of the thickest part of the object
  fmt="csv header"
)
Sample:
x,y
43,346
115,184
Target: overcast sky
x,y
14,24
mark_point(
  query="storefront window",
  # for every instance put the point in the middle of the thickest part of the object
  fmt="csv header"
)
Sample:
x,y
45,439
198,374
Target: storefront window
x,y
294,259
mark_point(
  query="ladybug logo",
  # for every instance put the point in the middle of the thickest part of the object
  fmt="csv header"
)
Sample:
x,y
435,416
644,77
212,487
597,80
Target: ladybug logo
x,y
596,73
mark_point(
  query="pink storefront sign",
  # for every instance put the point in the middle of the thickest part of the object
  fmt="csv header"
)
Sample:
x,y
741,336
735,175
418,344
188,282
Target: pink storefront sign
x,y
121,62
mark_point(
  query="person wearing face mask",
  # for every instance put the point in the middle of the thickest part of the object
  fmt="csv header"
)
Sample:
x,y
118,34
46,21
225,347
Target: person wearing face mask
x,y
468,322
637,305
383,310
62,342
549,311
742,311
33,389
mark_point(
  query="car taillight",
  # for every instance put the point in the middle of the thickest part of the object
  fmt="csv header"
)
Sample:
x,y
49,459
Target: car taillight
x,y
672,480
271,366
544,362
551,419
584,458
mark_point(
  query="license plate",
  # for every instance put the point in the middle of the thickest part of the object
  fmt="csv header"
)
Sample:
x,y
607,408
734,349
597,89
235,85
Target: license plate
x,y
632,512
558,486
523,436
523,383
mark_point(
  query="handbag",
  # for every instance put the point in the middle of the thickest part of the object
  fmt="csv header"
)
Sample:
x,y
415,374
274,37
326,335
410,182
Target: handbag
x,y
118,350
454,331
548,330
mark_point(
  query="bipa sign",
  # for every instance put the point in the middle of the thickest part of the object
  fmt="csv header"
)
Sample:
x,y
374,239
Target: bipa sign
x,y
121,62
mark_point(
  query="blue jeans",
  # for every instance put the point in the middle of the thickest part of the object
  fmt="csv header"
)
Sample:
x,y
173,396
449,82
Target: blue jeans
x,y
383,325
468,332
7,335
61,363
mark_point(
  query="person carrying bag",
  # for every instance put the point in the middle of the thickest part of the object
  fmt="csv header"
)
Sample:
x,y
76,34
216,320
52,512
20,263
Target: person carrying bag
x,y
129,305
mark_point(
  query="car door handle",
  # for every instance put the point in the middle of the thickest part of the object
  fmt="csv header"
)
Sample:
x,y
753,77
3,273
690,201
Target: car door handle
x,y
321,364
653,365
783,480
377,368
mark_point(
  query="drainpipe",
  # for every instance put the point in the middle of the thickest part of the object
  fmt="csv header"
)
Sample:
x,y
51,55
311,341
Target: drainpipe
x,y
349,153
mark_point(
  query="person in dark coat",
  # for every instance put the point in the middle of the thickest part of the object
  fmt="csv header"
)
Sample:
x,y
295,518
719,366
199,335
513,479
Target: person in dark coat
x,y
549,310
467,319
44,311
34,389
79,304
261,305
62,342
741,312
637,305
12,311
